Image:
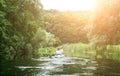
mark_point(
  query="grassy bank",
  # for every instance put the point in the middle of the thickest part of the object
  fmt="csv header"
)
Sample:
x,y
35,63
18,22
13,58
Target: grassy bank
x,y
79,50
83,50
113,52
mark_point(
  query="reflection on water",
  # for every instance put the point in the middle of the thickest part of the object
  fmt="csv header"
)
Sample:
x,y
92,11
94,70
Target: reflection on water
x,y
70,66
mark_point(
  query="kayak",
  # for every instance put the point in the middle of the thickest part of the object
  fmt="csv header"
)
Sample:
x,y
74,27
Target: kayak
x,y
59,56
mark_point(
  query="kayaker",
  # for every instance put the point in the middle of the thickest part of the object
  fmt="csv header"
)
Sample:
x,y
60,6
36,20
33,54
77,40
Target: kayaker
x,y
59,51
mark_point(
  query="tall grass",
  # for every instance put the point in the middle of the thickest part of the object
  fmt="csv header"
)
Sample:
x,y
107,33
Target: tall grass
x,y
114,52
83,50
78,50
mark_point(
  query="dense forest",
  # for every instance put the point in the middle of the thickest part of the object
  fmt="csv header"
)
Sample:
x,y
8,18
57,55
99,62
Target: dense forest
x,y
26,27
20,29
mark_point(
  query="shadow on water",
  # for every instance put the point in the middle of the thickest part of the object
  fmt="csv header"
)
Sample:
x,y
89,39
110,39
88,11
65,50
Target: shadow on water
x,y
107,67
71,66
10,68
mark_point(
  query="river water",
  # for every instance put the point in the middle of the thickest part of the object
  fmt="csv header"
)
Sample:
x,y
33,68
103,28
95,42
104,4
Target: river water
x,y
66,66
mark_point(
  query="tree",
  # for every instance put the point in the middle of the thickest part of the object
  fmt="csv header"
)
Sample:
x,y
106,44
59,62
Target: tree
x,y
19,21
68,26
106,21
105,24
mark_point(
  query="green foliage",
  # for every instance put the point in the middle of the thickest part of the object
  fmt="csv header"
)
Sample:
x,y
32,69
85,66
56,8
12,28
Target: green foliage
x,y
106,21
44,39
68,26
79,50
105,29
5,37
26,30
20,22
78,47
44,51
113,52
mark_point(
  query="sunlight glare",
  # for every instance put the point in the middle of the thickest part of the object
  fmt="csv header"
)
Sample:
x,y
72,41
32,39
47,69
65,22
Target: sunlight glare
x,y
71,5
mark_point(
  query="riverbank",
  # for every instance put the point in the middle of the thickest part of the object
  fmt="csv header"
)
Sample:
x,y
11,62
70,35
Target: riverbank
x,y
85,51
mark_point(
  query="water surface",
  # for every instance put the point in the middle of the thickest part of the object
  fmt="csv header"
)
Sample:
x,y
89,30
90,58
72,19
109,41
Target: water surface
x,y
66,66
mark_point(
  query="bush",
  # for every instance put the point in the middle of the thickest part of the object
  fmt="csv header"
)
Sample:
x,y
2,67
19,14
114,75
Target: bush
x,y
44,51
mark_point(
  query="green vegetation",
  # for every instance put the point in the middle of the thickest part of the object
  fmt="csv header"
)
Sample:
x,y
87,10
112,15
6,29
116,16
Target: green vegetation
x,y
79,50
20,29
69,26
85,51
26,30
113,52
44,51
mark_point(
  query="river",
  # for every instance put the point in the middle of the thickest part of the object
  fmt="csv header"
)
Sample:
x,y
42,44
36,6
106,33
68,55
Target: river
x,y
66,66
